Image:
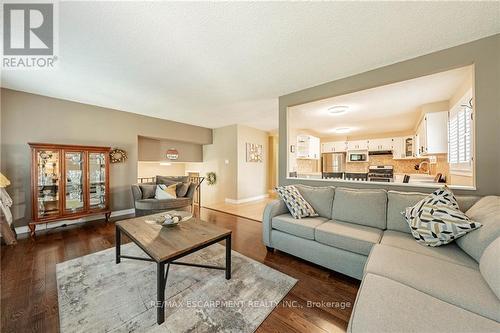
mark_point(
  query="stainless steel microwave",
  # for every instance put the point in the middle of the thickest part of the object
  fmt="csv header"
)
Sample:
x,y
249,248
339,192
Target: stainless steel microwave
x,y
358,156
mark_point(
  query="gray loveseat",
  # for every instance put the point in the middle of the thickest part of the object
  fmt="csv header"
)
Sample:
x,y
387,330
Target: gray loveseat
x,y
146,204
406,287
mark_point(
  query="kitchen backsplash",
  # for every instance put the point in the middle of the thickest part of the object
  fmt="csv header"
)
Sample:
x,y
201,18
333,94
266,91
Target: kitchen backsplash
x,y
308,166
400,166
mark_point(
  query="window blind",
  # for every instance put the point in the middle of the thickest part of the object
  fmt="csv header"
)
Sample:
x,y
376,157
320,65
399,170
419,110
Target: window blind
x,y
460,135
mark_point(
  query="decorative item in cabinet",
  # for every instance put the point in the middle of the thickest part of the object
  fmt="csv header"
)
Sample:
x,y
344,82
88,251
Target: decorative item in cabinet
x,y
68,182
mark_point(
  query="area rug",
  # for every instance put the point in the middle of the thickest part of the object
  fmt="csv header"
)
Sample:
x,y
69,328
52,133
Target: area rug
x,y
97,295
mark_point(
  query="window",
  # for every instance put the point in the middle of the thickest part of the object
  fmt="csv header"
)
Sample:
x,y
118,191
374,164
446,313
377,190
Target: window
x,y
460,135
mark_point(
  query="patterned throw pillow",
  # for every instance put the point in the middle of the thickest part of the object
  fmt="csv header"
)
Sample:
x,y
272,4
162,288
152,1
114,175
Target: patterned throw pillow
x,y
296,204
437,220
165,192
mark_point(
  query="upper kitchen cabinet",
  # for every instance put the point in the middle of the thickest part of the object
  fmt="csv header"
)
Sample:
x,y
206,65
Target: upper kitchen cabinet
x,y
432,134
380,144
357,145
334,147
308,147
403,147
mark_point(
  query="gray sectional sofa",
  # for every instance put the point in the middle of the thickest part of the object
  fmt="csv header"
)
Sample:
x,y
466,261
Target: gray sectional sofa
x,y
406,287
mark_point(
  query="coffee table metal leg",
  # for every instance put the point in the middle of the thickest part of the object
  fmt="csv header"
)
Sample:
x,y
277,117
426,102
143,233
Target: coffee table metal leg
x,y
228,257
160,290
117,243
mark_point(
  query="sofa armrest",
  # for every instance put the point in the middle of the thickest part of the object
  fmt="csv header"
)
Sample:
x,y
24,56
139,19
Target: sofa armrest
x,y
272,209
136,192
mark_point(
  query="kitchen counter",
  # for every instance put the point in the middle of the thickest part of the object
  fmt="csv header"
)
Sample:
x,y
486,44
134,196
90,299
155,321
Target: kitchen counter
x,y
430,185
415,178
309,175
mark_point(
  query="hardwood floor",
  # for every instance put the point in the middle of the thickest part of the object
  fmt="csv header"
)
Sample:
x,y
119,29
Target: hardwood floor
x,y
250,210
29,290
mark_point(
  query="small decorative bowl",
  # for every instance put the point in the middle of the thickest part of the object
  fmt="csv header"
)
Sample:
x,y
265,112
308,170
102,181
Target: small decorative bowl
x,y
171,221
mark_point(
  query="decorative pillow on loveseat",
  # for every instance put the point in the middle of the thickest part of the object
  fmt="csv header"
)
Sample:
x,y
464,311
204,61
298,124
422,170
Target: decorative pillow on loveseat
x,y
437,220
165,192
295,202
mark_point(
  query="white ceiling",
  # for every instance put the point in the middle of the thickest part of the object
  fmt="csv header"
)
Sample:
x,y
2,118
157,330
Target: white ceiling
x,y
386,109
219,63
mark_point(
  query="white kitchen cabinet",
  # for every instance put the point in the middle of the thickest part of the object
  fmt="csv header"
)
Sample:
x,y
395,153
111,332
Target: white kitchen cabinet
x,y
327,147
333,147
403,147
308,147
357,145
339,146
398,152
380,144
432,134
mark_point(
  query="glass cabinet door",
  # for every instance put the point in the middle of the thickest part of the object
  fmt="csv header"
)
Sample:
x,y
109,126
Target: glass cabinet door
x,y
74,182
97,180
48,173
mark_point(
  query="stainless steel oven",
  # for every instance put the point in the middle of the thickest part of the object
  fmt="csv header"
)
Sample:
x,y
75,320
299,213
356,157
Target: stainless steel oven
x,y
381,173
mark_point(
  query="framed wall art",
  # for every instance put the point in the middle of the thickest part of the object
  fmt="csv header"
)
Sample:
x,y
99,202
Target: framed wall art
x,y
254,152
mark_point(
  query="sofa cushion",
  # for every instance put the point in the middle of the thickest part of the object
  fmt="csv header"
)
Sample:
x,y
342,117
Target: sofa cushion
x,y
397,202
303,227
360,206
164,204
320,198
450,252
437,220
348,236
489,266
169,180
455,284
465,202
297,205
487,212
342,261
385,305
182,189
148,190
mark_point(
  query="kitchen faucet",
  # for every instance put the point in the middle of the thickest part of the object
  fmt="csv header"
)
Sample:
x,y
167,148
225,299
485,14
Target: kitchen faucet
x,y
419,166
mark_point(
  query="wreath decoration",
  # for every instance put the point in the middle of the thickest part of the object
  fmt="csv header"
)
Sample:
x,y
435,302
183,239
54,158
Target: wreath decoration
x,y
211,178
117,155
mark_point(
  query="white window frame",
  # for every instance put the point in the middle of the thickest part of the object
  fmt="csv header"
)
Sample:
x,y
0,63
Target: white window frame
x,y
462,112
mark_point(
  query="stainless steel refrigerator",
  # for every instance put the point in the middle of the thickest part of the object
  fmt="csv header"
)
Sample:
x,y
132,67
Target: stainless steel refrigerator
x,y
332,165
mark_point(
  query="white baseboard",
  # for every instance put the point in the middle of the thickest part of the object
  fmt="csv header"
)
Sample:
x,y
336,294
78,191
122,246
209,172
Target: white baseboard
x,y
50,225
240,201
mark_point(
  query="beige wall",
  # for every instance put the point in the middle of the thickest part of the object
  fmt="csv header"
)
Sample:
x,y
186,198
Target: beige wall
x,y
483,53
252,176
156,149
34,118
153,169
236,178
215,155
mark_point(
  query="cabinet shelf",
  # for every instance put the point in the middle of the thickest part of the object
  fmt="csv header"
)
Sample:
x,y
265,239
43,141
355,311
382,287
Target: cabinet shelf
x,y
62,184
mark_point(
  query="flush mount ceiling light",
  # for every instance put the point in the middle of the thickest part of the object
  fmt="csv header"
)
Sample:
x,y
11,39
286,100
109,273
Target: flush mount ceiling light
x,y
337,110
340,130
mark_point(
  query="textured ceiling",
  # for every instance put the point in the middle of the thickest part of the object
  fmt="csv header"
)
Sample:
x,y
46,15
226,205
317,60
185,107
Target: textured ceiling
x,y
218,63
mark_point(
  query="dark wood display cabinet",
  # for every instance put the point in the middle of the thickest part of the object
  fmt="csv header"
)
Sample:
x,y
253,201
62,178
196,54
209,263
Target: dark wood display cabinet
x,y
68,182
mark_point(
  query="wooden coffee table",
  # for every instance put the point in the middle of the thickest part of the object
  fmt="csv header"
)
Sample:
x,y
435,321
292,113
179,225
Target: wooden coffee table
x,y
165,245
